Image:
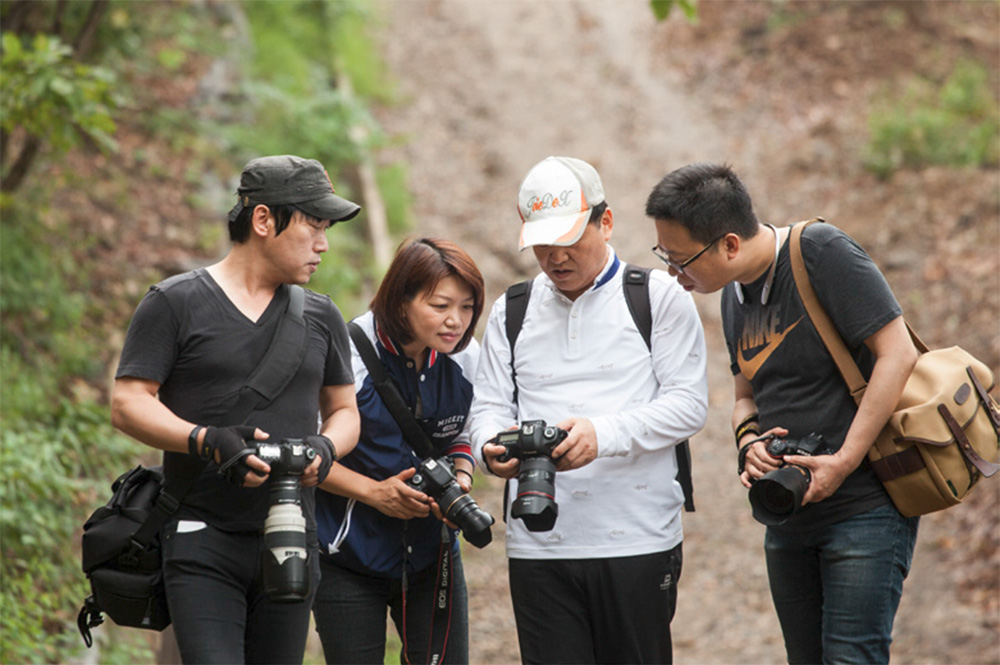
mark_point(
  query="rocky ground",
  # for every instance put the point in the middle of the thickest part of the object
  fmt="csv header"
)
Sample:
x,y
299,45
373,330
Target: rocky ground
x,y
488,89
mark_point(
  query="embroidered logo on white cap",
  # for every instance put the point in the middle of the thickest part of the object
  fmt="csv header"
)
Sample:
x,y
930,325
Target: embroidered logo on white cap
x,y
555,200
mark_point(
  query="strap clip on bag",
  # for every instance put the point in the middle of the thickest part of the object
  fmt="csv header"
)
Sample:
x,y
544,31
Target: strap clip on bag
x,y
121,549
944,434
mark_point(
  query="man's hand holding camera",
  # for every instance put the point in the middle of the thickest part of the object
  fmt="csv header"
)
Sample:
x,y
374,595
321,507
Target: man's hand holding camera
x,y
756,461
227,446
828,473
579,448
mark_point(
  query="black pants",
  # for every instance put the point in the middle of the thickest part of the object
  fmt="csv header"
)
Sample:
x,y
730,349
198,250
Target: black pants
x,y
217,602
596,610
350,615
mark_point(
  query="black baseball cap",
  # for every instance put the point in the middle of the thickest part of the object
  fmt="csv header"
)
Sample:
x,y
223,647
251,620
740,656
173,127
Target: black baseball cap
x,y
287,179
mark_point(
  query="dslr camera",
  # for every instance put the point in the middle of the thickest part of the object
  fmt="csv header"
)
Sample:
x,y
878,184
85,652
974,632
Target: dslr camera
x,y
285,559
533,444
436,478
777,495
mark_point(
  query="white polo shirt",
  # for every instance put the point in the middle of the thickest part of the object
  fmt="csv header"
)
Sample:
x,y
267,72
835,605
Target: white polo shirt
x,y
587,359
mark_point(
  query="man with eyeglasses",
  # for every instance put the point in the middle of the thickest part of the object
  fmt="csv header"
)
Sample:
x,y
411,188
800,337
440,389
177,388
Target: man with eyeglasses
x,y
600,586
836,567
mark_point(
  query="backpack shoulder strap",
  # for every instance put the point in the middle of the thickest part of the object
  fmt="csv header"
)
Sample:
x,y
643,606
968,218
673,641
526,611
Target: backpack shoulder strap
x,y
637,298
517,305
636,286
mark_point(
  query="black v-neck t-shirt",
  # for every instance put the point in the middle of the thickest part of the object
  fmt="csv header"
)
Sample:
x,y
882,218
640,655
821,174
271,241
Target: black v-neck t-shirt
x,y
190,338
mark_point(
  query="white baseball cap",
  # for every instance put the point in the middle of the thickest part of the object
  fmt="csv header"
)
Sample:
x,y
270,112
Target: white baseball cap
x,y
555,200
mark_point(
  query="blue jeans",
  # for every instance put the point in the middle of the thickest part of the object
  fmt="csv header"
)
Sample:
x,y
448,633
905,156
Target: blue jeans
x,y
836,588
350,615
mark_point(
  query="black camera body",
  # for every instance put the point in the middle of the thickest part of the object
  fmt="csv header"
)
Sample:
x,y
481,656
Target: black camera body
x,y
777,495
436,478
532,443
285,558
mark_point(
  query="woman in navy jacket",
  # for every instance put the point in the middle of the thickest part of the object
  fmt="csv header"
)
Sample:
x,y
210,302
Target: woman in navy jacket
x,y
380,543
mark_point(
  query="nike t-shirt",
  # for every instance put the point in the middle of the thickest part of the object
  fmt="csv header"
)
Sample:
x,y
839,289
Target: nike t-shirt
x,y
796,383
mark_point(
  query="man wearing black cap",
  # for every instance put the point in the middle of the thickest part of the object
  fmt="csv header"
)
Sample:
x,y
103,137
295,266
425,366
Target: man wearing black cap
x,y
193,342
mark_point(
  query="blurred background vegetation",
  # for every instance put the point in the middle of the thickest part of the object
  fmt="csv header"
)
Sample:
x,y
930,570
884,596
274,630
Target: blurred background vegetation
x,y
124,128
92,114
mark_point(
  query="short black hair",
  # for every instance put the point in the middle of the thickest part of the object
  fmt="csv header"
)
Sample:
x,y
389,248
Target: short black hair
x,y
709,200
239,228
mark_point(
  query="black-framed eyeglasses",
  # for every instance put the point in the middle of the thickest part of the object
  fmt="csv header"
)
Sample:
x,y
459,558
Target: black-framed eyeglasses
x,y
679,267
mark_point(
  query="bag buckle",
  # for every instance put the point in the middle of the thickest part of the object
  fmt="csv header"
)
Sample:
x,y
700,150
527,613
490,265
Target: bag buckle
x,y
89,617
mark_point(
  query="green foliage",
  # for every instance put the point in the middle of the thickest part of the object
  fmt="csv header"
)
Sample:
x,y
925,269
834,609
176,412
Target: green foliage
x,y
396,196
320,125
54,473
315,104
956,123
50,96
662,8
60,453
42,320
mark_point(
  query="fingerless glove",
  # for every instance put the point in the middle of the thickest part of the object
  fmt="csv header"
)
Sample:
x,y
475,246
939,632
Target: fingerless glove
x,y
230,442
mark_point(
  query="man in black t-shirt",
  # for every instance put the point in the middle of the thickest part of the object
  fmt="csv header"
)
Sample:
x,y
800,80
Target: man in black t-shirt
x,y
836,566
192,344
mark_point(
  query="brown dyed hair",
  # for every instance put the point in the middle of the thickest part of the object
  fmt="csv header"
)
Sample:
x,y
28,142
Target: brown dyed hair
x,y
418,266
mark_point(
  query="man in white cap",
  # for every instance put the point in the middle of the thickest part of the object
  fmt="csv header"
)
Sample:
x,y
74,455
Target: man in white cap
x,y
192,347
599,584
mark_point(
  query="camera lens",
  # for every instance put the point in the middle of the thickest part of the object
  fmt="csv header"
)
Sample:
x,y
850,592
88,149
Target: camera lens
x,y
777,495
285,566
536,492
465,513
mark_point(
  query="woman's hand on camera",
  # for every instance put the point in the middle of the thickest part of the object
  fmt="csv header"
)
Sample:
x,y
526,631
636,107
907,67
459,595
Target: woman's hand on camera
x,y
395,498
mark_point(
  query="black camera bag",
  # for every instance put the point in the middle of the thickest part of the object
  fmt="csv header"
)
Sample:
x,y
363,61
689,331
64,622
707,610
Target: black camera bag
x,y
121,549
121,554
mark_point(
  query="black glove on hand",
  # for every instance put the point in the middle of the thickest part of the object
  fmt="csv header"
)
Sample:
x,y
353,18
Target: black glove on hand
x,y
232,447
327,453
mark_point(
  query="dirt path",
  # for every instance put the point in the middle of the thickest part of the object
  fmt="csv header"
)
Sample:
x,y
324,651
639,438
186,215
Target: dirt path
x,y
488,89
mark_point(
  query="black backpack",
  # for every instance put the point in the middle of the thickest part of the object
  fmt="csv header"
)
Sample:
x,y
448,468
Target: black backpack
x,y
637,299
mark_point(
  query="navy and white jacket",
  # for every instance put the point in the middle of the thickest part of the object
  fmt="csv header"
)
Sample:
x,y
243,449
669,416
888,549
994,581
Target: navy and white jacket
x,y
358,536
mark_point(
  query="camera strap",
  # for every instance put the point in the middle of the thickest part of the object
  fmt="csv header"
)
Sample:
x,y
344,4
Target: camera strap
x,y
413,434
437,642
